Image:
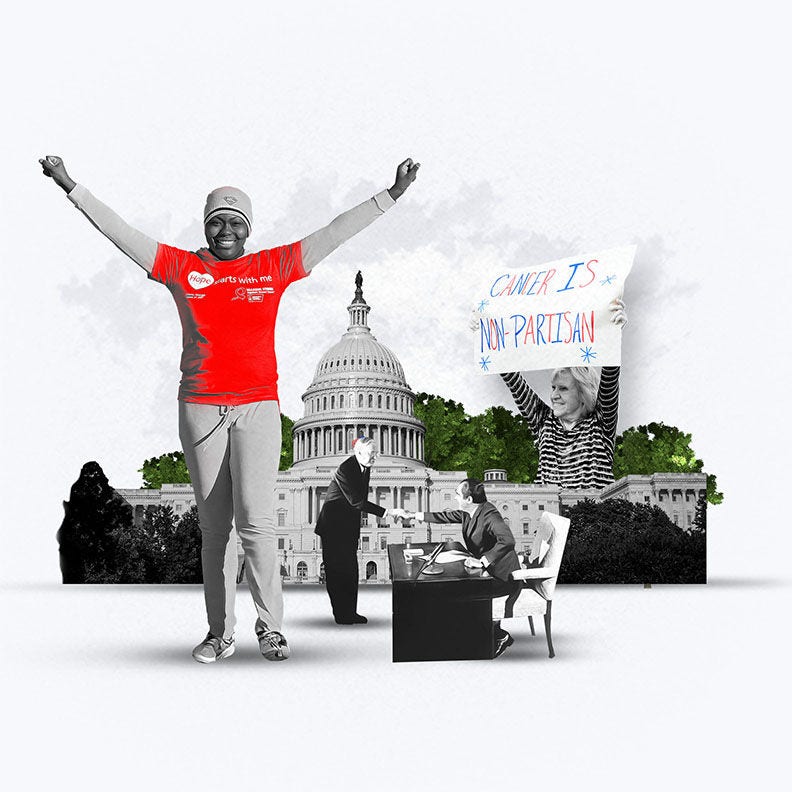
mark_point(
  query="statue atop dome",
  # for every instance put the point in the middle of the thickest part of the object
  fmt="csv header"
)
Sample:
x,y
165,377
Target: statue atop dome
x,y
358,299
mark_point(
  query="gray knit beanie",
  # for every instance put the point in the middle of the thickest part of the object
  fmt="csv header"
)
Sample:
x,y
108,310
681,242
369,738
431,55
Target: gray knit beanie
x,y
229,200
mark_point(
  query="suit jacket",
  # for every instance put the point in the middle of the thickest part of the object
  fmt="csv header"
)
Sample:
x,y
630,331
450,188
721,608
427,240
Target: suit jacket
x,y
347,497
486,535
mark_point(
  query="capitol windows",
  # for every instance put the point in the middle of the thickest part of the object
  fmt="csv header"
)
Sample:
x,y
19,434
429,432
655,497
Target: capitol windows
x,y
281,543
341,402
324,403
526,527
387,403
379,401
360,399
365,543
383,541
281,518
332,402
370,400
371,571
302,570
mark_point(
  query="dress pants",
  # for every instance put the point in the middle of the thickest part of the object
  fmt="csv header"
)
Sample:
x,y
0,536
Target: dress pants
x,y
232,453
341,574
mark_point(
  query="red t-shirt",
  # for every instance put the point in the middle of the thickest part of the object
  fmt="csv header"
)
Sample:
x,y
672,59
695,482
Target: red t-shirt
x,y
227,311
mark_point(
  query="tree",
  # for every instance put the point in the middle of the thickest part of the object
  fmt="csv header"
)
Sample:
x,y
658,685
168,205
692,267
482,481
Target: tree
x,y
494,439
161,549
657,448
182,551
287,443
615,541
503,440
165,469
448,432
94,515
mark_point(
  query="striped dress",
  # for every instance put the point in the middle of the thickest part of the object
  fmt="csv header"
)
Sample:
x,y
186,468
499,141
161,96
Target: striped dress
x,y
576,458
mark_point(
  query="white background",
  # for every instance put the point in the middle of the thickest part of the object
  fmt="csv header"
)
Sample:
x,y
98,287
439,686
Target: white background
x,y
542,132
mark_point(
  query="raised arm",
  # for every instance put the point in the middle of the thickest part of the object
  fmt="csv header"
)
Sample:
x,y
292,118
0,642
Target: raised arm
x,y
528,403
323,242
607,406
139,247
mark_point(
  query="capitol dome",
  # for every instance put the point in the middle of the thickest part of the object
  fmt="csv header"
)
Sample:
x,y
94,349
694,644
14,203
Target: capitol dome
x,y
358,389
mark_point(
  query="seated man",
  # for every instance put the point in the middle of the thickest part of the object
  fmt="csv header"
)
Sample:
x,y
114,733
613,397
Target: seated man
x,y
488,539
339,527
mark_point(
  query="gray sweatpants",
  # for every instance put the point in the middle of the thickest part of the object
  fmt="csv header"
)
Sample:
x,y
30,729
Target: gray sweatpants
x,y
232,454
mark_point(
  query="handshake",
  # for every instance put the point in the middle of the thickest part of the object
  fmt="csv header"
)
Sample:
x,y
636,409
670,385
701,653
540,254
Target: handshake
x,y
401,515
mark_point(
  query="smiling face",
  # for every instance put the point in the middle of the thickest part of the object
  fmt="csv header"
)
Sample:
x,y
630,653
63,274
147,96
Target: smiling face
x,y
365,453
566,400
226,234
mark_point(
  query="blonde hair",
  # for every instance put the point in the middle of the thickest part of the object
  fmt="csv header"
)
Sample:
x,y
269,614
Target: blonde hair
x,y
587,379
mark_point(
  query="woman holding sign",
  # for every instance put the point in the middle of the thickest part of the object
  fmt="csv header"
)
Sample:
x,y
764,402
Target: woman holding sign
x,y
229,419
575,435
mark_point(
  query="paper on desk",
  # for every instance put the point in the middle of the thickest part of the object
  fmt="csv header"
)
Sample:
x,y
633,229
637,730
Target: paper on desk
x,y
449,556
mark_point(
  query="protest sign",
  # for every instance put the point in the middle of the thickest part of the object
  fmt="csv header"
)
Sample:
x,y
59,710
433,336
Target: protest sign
x,y
553,315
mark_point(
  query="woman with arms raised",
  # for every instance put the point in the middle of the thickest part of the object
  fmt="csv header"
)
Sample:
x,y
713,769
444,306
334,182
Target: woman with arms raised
x,y
575,435
229,419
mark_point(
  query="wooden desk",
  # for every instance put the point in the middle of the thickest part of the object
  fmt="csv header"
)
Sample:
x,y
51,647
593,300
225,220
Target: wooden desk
x,y
439,617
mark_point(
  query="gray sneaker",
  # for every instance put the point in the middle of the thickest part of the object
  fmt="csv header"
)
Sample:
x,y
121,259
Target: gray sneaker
x,y
211,649
273,645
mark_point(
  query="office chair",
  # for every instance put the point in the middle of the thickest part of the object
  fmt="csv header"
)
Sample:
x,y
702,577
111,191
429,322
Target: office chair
x,y
536,596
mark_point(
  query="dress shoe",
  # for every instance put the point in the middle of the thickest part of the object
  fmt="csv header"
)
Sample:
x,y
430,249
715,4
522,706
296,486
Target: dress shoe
x,y
502,643
355,618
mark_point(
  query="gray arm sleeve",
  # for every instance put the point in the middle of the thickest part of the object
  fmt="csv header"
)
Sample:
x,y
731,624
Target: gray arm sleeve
x,y
140,248
323,242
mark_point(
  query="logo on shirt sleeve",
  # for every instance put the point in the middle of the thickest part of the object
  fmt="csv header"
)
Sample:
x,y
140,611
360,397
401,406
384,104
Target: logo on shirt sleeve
x,y
200,280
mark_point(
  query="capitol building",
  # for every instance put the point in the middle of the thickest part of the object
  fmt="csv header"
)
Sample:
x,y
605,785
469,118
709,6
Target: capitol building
x,y
359,388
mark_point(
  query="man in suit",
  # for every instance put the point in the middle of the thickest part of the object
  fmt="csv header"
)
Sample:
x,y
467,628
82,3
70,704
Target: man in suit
x,y
339,527
489,541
